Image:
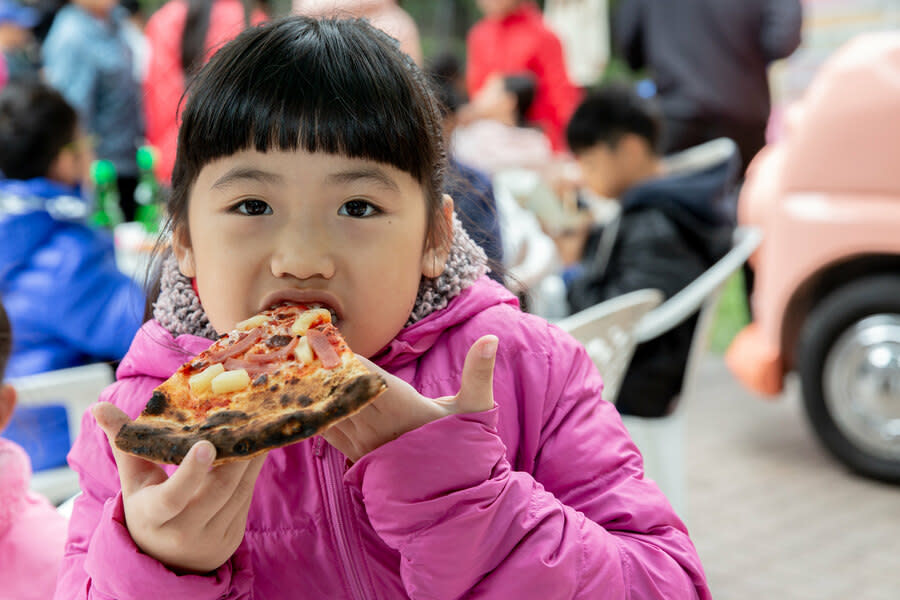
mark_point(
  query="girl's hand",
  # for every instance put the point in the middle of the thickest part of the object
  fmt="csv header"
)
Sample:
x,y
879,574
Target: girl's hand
x,y
192,521
401,408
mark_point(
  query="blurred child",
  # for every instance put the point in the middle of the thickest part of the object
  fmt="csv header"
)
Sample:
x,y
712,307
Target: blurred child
x,y
32,533
496,133
281,194
67,301
511,38
668,233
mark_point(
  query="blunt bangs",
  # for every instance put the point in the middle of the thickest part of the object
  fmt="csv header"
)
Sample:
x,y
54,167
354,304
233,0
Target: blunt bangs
x,y
334,86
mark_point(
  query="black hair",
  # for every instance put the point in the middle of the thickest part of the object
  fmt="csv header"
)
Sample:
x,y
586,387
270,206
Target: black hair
x,y
5,340
321,85
523,86
36,123
608,113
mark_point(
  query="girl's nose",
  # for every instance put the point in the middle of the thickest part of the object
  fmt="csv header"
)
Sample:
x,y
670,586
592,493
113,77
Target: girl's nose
x,y
303,254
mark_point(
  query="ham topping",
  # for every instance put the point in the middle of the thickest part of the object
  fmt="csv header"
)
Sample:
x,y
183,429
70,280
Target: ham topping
x,y
246,342
319,343
285,353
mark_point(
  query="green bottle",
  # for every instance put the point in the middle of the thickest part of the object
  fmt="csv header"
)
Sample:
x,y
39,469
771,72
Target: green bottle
x,y
107,212
147,192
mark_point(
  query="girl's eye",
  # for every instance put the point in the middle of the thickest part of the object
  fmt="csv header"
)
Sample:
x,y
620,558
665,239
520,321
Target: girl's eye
x,y
357,209
252,208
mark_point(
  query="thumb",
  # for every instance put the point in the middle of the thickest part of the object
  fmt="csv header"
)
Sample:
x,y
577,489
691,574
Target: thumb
x,y
476,392
134,472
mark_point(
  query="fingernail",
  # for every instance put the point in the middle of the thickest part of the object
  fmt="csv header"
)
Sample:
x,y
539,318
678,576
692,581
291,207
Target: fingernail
x,y
489,348
206,453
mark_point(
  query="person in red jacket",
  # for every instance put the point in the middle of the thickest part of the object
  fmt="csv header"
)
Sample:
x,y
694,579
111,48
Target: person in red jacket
x,y
182,35
512,37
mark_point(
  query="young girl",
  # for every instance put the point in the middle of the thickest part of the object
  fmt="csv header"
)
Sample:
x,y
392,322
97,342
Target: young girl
x,y
309,169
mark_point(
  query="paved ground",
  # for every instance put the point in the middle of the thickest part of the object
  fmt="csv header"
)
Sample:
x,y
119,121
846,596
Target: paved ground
x,y
772,515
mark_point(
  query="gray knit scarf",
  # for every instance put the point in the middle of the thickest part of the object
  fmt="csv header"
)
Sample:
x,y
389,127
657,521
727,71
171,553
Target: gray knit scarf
x,y
178,309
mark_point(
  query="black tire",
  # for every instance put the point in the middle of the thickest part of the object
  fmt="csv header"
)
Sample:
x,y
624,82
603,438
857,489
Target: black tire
x,y
834,315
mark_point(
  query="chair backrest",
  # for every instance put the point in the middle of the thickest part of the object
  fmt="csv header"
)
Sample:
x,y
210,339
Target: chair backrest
x,y
699,157
606,330
700,295
76,388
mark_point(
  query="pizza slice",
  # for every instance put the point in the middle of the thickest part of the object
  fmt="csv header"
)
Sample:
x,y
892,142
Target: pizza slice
x,y
279,377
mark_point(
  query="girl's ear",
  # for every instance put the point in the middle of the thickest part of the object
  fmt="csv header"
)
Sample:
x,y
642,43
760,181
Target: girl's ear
x,y
183,254
435,256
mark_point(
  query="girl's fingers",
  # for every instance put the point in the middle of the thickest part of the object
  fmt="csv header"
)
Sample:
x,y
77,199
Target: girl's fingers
x,y
237,503
337,436
174,494
218,486
134,473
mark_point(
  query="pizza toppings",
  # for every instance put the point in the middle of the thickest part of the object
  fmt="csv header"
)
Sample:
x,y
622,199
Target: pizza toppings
x,y
230,381
319,343
200,383
244,344
285,353
309,318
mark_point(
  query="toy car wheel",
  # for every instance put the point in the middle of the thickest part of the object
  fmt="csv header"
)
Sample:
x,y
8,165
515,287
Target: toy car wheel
x,y
849,363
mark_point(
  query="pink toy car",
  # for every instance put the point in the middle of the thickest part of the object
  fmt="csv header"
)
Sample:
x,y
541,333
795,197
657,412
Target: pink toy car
x,y
826,301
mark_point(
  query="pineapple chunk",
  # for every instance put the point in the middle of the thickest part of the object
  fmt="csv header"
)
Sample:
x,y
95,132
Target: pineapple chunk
x,y
199,383
303,352
230,381
254,321
301,325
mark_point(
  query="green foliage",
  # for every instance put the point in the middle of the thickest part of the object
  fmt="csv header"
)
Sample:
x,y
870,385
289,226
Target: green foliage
x,y
732,314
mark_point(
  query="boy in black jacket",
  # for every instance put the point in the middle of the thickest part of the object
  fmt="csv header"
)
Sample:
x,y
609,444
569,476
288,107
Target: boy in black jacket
x,y
670,230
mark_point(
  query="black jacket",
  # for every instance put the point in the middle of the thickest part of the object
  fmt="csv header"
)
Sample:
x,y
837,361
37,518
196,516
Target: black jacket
x,y
668,234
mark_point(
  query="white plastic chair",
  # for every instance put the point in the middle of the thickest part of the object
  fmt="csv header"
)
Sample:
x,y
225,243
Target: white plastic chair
x,y
606,330
661,440
76,388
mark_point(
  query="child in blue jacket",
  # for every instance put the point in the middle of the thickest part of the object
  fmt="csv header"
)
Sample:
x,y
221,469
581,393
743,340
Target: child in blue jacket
x,y
67,301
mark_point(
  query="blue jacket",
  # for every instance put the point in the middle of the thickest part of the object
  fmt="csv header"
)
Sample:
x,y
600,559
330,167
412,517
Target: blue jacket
x,y
66,299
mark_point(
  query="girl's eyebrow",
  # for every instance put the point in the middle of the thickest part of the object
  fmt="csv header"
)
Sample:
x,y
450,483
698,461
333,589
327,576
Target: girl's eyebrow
x,y
372,173
245,173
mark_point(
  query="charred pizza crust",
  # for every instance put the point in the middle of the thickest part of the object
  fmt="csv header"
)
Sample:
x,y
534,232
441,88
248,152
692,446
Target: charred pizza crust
x,y
286,401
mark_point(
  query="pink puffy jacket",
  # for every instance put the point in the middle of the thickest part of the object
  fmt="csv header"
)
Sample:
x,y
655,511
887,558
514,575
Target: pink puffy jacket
x,y
541,497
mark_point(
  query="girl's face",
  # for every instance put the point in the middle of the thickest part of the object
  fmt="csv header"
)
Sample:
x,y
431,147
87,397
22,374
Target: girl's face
x,y
309,227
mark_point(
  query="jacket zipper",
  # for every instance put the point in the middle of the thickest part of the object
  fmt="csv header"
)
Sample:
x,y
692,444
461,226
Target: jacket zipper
x,y
336,494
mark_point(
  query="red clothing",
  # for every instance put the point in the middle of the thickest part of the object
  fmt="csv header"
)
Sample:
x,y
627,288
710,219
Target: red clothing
x,y
164,84
521,41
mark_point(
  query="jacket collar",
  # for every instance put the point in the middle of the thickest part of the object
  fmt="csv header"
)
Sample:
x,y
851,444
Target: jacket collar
x,y
416,339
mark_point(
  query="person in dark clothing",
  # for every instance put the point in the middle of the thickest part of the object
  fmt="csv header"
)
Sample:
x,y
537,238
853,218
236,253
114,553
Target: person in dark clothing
x,y
709,59
669,231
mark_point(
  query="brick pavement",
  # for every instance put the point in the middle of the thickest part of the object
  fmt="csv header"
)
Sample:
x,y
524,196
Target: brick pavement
x,y
771,513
